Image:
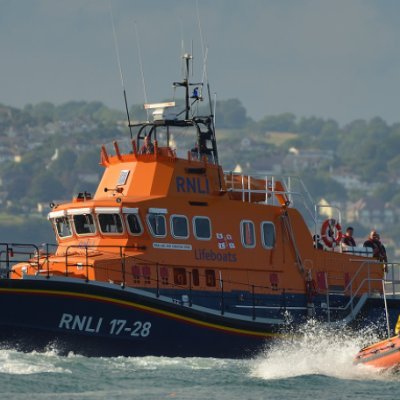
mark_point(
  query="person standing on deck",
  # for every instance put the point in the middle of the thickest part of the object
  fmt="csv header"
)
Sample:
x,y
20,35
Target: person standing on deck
x,y
373,241
348,238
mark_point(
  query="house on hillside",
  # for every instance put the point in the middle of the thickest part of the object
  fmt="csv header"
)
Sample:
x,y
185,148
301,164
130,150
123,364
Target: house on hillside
x,y
372,212
270,165
299,159
352,182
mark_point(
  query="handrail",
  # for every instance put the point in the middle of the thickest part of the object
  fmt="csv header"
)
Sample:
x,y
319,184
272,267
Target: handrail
x,y
87,265
350,302
123,255
349,286
10,251
364,263
392,281
293,185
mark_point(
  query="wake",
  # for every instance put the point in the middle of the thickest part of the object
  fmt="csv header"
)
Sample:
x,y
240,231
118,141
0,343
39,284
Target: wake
x,y
318,350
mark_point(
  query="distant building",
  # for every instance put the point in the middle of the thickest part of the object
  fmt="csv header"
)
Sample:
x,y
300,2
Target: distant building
x,y
299,160
372,212
271,165
352,182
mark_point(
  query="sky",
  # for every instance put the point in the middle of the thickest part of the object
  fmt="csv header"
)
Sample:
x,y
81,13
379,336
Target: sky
x,y
335,59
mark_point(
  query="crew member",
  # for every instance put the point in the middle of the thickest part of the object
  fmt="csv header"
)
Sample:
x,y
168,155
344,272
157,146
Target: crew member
x,y
382,249
373,241
148,147
317,242
348,238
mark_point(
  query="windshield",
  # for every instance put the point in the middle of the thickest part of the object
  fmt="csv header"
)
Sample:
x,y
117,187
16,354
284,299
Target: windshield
x,y
63,227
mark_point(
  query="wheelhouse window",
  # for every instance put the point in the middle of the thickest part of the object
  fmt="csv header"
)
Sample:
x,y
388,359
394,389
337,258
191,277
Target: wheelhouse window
x,y
268,235
248,234
63,227
110,223
84,224
179,227
134,224
202,228
157,224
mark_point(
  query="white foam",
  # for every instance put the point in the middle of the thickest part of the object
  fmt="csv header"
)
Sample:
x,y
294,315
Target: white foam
x,y
17,363
155,363
318,351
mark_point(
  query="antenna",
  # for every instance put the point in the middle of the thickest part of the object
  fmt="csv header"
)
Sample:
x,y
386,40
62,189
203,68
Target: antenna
x,y
204,51
205,66
182,47
200,30
187,58
192,54
120,68
141,67
215,107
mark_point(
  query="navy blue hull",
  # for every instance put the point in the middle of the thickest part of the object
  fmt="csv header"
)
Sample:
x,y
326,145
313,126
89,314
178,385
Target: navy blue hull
x,y
95,320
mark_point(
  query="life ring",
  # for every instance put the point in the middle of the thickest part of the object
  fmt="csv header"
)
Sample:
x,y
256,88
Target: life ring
x,y
331,232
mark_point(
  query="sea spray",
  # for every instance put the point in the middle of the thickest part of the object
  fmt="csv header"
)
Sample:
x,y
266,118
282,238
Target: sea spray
x,y
316,350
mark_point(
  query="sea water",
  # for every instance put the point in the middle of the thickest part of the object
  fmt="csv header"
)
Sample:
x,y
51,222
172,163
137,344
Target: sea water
x,y
317,365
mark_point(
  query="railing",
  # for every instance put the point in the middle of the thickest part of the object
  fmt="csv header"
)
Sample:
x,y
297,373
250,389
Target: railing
x,y
249,297
392,280
266,189
253,187
354,291
14,253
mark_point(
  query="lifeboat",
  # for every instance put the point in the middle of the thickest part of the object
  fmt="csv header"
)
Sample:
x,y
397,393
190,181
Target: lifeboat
x,y
172,256
382,355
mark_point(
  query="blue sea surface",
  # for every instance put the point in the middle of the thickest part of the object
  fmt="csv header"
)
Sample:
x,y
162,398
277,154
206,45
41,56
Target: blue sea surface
x,y
319,365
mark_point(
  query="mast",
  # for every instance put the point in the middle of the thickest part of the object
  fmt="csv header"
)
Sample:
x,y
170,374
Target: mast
x,y
187,57
185,83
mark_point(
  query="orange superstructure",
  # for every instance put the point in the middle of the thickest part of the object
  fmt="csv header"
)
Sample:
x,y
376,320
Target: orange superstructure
x,y
253,235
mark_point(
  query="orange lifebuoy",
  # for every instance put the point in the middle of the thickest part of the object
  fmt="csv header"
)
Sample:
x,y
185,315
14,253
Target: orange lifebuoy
x,y
331,232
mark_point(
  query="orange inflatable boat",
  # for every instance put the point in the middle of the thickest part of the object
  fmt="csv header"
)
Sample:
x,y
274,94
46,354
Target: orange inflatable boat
x,y
384,354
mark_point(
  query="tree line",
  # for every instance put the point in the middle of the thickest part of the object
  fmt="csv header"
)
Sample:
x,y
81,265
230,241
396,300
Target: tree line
x,y
367,148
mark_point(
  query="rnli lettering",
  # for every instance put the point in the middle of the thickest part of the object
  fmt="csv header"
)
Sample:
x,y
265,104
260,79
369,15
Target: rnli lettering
x,y
209,255
192,185
115,327
80,322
